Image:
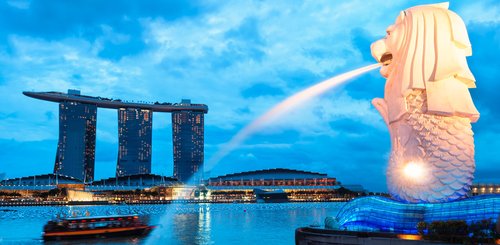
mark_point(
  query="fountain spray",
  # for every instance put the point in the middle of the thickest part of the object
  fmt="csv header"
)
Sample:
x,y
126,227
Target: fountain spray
x,y
284,107
271,115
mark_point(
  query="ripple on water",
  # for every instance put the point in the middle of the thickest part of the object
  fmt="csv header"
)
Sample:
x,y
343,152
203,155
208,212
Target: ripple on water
x,y
191,223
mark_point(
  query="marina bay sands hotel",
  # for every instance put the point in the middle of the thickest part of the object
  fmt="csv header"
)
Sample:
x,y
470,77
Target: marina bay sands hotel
x,y
77,135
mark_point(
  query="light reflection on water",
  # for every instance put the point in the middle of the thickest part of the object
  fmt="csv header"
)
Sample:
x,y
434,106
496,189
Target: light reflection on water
x,y
190,224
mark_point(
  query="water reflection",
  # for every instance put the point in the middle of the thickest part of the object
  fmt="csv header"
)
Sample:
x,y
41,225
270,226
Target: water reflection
x,y
188,224
195,225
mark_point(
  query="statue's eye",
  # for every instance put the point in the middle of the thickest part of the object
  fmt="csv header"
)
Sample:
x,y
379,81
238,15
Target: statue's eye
x,y
389,29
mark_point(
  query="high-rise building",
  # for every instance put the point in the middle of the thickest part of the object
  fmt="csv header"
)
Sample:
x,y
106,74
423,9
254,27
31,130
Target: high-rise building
x,y
188,142
76,147
134,137
77,135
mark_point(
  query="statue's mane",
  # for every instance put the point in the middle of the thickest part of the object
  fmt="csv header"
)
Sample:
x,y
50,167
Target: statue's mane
x,y
432,56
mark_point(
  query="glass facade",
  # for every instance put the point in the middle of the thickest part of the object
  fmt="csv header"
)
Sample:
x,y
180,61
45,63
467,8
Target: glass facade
x,y
188,143
134,137
384,214
77,134
75,154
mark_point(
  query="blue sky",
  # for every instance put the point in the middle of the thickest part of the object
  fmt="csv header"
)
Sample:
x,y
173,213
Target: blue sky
x,y
238,57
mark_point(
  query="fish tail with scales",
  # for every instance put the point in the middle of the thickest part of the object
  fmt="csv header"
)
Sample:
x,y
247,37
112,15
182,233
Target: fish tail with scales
x,y
443,144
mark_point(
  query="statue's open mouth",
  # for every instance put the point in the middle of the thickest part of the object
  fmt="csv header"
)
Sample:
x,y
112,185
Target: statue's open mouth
x,y
386,59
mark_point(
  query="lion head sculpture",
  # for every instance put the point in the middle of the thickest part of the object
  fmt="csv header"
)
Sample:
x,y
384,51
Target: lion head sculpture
x,y
427,105
426,48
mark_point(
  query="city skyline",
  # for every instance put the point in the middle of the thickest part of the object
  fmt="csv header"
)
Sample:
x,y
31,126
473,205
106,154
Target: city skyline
x,y
77,135
239,58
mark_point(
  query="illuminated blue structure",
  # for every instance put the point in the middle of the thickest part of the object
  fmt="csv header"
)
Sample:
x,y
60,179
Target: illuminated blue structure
x,y
384,214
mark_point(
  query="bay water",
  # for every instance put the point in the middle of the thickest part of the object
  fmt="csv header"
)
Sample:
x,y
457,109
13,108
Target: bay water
x,y
236,223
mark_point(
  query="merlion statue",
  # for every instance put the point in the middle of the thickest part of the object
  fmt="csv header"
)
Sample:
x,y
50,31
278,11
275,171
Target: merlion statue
x,y
427,105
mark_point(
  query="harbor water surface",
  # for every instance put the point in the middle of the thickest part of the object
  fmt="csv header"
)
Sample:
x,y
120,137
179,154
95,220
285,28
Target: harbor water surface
x,y
179,223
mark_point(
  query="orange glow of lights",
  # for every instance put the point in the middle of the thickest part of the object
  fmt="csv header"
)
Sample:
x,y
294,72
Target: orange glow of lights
x,y
414,170
410,237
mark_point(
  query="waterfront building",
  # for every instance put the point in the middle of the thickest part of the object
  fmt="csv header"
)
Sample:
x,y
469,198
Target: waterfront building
x,y
40,182
52,181
133,188
299,185
188,144
484,189
77,135
134,137
273,177
132,182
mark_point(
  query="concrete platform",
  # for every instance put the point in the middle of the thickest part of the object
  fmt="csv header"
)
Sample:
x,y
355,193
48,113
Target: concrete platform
x,y
320,236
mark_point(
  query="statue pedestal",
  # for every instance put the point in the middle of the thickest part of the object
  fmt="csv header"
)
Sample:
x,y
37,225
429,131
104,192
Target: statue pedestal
x,y
376,213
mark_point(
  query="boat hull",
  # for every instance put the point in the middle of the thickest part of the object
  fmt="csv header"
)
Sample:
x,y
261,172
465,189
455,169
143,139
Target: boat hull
x,y
97,233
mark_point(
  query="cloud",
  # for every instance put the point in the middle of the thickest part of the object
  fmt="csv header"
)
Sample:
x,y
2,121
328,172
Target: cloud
x,y
83,19
478,12
20,4
26,158
238,57
261,89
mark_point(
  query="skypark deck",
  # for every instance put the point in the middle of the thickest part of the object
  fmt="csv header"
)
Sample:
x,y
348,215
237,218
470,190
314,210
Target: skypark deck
x,y
116,103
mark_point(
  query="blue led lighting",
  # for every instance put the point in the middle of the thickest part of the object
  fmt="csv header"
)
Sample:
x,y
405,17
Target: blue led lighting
x,y
384,214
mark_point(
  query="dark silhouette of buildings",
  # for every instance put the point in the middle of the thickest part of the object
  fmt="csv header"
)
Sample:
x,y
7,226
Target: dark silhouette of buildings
x,y
188,139
76,147
134,137
77,135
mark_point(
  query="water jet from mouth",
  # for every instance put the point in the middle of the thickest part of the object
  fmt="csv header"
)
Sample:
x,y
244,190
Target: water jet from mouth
x,y
284,107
